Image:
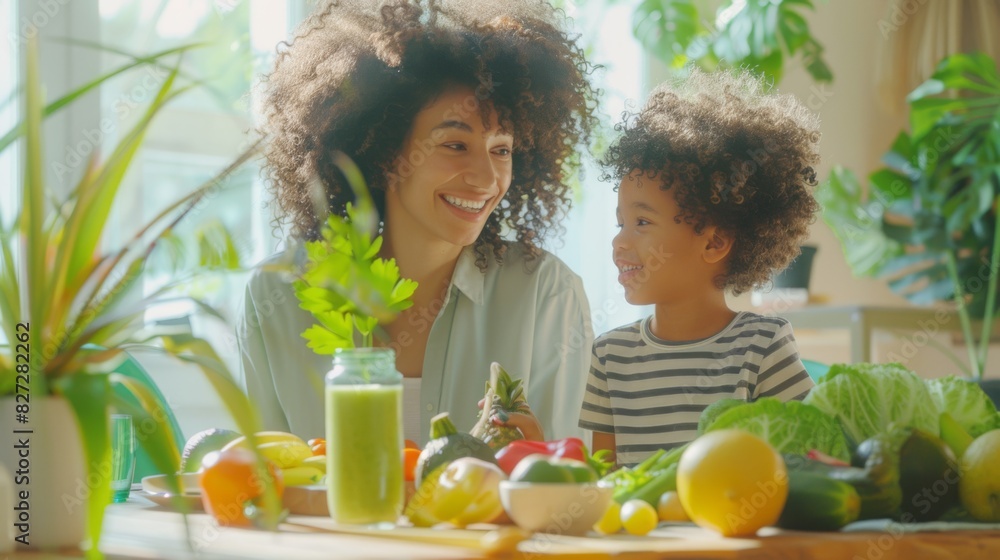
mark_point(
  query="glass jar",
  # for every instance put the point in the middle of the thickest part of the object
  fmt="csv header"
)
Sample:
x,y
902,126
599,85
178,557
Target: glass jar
x,y
364,437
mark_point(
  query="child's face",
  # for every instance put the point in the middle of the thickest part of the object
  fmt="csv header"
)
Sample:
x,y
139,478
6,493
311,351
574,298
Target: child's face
x,y
659,260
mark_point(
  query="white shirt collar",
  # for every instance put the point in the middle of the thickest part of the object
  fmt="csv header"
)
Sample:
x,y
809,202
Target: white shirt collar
x,y
467,276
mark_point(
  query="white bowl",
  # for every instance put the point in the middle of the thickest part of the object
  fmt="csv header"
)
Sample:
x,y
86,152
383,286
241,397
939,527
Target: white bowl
x,y
559,508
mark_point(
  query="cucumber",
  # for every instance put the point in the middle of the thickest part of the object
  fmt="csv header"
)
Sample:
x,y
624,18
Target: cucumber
x,y
818,503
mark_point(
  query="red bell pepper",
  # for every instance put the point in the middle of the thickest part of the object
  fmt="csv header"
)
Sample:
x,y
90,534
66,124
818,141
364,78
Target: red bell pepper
x,y
511,455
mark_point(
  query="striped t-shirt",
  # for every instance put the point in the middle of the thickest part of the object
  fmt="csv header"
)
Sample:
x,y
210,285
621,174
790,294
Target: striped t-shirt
x,y
649,392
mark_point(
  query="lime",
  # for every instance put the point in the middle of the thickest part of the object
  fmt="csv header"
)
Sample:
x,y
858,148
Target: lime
x,y
202,444
538,467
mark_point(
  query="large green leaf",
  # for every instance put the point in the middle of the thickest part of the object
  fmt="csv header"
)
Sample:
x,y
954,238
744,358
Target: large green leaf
x,y
34,245
856,223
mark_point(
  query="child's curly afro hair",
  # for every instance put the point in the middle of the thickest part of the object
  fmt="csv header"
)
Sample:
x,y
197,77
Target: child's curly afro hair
x,y
736,157
358,72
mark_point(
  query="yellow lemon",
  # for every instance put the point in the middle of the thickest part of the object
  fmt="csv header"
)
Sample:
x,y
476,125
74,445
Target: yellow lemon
x,y
610,522
733,482
979,485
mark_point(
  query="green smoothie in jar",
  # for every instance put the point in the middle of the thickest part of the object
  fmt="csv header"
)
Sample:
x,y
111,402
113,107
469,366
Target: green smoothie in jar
x,y
364,437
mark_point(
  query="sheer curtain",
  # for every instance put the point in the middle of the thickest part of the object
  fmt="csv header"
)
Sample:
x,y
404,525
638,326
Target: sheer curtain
x,y
917,35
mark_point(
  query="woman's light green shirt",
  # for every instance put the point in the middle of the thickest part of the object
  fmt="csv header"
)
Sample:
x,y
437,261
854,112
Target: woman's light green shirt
x,y
534,320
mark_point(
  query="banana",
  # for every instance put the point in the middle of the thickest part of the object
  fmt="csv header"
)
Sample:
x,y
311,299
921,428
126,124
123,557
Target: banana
x,y
285,454
317,461
264,437
301,476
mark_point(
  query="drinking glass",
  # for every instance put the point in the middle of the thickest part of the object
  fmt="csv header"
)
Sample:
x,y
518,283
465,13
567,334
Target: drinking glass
x,y
122,456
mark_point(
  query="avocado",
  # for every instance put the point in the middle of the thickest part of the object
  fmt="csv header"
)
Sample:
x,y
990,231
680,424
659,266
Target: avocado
x,y
928,476
448,444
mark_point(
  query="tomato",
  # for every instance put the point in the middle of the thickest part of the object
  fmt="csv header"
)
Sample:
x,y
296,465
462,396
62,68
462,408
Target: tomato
x,y
410,457
638,517
544,468
229,479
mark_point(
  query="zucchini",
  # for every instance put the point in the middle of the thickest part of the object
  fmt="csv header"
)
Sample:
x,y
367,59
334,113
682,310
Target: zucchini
x,y
877,484
818,503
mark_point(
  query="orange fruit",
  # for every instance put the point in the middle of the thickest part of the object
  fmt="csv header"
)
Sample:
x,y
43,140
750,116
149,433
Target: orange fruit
x,y
318,448
410,444
733,482
229,479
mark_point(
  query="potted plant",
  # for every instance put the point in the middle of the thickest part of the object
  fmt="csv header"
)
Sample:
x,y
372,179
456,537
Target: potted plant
x,y
756,35
66,315
928,221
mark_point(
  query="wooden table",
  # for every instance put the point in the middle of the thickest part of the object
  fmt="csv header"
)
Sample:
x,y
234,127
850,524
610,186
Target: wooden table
x,y
139,529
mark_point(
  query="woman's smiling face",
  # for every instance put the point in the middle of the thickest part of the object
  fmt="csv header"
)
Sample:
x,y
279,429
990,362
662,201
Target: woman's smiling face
x,y
452,171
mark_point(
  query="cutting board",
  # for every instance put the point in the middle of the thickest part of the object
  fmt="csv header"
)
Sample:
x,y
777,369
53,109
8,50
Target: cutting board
x,y
298,500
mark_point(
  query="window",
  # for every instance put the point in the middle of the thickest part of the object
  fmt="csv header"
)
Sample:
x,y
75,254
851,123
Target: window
x,y
9,55
9,180
586,247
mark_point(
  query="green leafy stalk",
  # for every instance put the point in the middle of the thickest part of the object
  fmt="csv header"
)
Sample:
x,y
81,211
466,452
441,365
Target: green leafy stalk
x,y
963,315
34,237
346,287
991,298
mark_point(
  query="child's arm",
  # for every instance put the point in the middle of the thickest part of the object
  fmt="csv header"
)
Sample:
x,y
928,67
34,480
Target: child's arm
x,y
596,414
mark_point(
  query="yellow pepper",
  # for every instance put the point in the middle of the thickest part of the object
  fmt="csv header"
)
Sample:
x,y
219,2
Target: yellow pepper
x,y
467,491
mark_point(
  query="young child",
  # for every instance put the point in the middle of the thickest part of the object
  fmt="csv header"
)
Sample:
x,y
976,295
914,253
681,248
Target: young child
x,y
714,196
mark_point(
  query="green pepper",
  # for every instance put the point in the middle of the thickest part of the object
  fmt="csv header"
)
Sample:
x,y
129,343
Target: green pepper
x,y
539,467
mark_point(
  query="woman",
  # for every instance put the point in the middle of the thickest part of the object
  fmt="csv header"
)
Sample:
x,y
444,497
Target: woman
x,y
462,118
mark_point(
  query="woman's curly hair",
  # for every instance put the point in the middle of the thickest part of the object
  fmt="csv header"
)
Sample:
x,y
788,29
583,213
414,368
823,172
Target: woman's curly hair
x,y
357,73
737,157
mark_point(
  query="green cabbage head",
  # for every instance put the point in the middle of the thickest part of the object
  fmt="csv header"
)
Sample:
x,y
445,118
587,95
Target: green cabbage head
x,y
966,402
865,398
790,427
